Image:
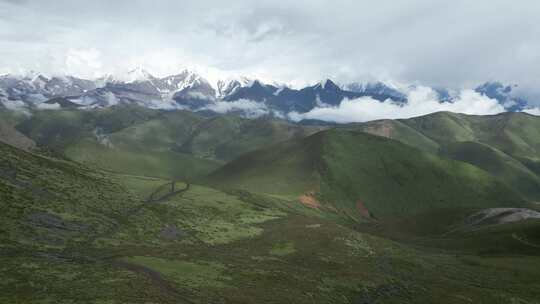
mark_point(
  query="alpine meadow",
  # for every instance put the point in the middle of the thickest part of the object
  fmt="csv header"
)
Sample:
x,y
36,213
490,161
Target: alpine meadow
x,y
269,152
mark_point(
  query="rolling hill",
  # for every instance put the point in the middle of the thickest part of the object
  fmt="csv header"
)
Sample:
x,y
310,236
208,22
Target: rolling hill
x,y
10,135
505,145
73,234
136,140
498,164
350,171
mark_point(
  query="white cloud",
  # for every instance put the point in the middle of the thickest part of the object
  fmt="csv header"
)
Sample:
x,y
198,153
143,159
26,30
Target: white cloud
x,y
84,62
287,41
13,104
48,106
421,101
533,111
249,108
199,95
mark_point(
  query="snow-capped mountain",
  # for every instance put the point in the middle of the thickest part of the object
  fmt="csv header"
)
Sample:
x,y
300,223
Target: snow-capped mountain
x,y
35,88
192,91
285,99
178,82
231,85
503,94
378,90
195,92
140,87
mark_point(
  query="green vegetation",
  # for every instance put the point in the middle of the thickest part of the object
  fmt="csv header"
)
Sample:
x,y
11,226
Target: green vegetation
x,y
10,135
339,216
350,168
505,145
128,160
192,275
497,163
399,131
139,141
283,249
50,203
226,137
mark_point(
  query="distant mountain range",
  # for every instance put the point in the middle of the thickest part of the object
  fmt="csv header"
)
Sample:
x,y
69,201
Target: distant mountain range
x,y
191,91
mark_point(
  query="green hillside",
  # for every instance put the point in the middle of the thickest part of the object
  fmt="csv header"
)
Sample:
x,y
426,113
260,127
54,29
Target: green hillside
x,y
74,235
346,168
397,130
9,134
227,137
57,129
497,163
134,140
50,204
341,215
506,145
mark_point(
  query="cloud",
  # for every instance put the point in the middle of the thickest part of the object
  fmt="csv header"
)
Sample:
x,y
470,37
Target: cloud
x,y
13,104
49,106
422,101
533,111
438,43
249,108
84,62
199,95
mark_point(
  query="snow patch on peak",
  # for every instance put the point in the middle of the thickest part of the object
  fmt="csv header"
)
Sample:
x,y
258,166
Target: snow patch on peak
x,y
136,75
230,85
325,84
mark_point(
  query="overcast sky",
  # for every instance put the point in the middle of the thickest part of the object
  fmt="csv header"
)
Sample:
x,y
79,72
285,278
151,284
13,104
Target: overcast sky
x,y
436,43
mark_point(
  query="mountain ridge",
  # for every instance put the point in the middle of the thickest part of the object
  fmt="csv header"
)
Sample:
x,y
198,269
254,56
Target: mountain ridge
x,y
192,91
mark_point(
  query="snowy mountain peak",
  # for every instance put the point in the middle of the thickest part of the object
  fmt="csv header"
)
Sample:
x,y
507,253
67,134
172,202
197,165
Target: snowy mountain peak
x,y
377,89
231,85
504,94
326,84
137,75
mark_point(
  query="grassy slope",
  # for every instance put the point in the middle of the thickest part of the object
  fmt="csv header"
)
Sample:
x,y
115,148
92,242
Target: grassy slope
x,y
226,137
206,246
285,168
57,129
37,192
51,212
516,134
165,164
497,163
399,131
345,167
133,140
499,144
10,135
250,243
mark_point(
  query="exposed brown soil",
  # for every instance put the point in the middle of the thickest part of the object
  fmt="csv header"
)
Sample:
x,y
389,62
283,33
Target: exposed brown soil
x,y
10,136
308,199
166,287
364,212
382,128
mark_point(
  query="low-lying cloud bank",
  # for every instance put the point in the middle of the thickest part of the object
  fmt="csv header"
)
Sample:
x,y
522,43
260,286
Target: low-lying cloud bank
x,y
533,111
249,108
421,101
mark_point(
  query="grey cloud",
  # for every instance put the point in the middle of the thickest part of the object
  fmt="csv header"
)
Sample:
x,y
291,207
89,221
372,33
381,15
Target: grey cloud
x,y
457,43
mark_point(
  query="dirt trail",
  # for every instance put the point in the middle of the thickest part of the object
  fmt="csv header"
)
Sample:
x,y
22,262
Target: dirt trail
x,y
165,286
154,276
80,255
524,241
172,192
150,200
